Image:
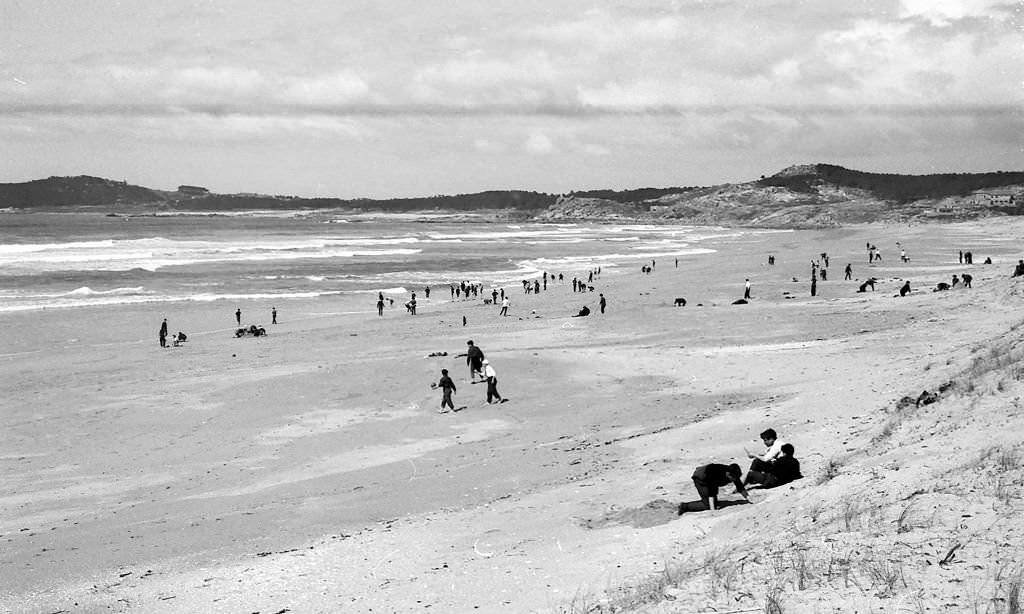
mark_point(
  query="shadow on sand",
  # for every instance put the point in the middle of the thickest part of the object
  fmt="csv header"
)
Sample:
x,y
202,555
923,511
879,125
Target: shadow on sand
x,y
651,514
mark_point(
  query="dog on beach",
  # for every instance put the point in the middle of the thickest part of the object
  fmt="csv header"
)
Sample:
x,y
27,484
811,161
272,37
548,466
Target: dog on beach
x,y
680,302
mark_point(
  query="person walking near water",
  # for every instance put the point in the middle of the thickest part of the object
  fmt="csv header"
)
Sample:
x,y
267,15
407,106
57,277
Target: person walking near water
x,y
163,334
273,315
746,289
492,382
602,303
238,316
447,387
848,271
504,306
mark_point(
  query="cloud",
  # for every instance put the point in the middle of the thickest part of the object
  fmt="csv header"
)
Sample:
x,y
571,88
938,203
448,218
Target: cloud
x,y
183,125
943,12
489,146
539,144
476,78
337,88
592,149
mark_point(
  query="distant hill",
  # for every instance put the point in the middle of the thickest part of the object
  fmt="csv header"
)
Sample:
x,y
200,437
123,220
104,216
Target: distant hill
x,y
896,188
813,195
82,191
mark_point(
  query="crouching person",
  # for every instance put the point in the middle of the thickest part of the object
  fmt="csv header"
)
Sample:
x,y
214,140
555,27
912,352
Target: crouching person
x,y
707,479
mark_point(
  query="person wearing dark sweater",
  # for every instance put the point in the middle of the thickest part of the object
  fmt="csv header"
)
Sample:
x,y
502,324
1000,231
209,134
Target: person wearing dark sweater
x,y
447,387
709,478
475,359
784,470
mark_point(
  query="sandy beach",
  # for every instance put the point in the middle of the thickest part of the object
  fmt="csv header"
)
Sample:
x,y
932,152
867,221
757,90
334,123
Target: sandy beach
x,y
311,471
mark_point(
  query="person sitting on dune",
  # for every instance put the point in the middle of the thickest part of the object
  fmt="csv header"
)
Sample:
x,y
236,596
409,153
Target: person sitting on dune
x,y
784,470
773,450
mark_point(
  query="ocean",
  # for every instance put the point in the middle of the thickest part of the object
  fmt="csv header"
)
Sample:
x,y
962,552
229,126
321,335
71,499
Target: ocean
x,y
69,260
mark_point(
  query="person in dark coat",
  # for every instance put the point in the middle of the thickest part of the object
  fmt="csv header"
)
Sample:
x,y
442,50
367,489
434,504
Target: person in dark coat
x,y
163,334
475,360
238,315
707,479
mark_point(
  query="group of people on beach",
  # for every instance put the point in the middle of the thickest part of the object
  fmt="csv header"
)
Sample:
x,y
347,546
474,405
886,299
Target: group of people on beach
x,y
176,339
819,270
479,367
776,466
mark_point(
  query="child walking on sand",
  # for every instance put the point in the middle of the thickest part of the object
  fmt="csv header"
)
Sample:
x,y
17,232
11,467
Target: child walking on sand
x,y
447,387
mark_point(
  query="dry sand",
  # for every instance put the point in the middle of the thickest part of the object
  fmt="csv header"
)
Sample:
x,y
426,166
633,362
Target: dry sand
x,y
310,471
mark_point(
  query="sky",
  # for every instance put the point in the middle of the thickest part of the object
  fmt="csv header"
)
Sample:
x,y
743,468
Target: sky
x,y
391,98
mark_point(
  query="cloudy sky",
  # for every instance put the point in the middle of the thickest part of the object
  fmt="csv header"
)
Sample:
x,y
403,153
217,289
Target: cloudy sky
x,y
386,98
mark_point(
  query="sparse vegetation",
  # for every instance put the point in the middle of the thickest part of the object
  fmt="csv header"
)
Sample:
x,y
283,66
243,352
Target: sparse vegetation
x,y
885,576
830,471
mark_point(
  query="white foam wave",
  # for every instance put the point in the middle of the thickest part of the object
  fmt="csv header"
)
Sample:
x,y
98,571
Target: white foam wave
x,y
549,264
153,253
87,291
69,300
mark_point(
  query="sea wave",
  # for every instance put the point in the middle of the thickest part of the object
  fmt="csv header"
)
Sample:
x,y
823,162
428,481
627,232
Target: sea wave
x,y
87,291
70,300
153,253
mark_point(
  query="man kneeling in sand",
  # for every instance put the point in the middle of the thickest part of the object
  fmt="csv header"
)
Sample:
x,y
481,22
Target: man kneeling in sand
x,y
784,470
707,479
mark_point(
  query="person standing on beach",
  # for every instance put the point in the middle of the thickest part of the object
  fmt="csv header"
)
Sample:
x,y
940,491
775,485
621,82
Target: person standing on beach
x,y
447,387
492,382
504,306
746,289
163,334
380,305
602,303
238,315
273,315
475,359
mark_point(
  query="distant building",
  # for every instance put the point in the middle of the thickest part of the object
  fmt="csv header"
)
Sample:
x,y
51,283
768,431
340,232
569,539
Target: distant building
x,y
983,198
193,190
